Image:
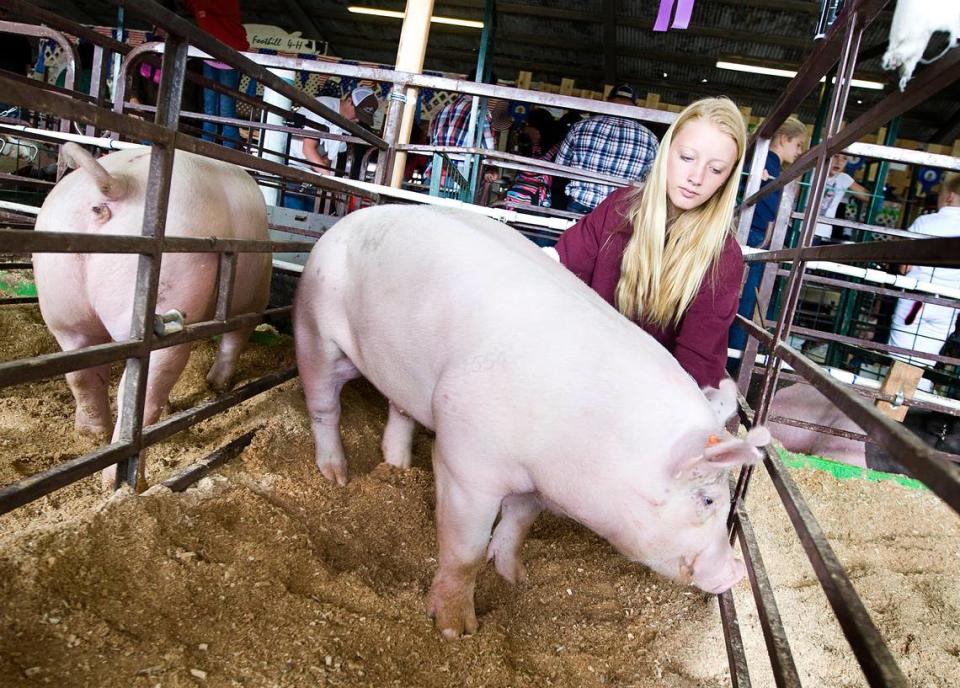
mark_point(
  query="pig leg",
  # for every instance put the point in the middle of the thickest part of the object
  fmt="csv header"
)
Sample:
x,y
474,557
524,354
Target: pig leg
x,y
324,369
88,386
465,516
398,438
232,345
517,514
165,368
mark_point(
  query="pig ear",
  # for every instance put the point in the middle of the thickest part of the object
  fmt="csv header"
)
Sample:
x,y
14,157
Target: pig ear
x,y
723,400
726,454
737,451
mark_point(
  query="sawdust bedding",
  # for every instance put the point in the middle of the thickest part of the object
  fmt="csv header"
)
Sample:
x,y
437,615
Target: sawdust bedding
x,y
263,574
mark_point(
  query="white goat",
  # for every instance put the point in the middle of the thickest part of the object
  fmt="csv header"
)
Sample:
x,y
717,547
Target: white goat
x,y
914,21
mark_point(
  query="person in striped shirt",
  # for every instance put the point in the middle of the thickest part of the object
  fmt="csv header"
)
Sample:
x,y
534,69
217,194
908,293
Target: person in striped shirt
x,y
611,145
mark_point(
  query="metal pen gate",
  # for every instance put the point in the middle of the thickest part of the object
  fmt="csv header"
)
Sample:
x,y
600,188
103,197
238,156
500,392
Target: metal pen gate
x,y
840,47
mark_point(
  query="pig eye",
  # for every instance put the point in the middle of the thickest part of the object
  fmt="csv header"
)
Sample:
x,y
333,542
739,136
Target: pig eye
x,y
707,501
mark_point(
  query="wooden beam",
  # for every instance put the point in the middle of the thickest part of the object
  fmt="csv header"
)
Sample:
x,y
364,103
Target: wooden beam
x,y
743,95
609,41
70,10
806,7
577,17
303,21
950,130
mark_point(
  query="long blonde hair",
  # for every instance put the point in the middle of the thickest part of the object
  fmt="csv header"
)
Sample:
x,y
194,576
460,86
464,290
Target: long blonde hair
x,y
661,272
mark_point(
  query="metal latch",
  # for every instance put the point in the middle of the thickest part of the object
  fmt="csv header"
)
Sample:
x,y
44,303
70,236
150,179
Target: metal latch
x,y
170,322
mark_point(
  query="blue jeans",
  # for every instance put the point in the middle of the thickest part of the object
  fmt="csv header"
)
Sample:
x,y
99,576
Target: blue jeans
x,y
297,201
220,105
748,298
574,207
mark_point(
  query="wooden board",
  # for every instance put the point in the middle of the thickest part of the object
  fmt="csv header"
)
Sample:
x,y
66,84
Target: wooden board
x,y
902,379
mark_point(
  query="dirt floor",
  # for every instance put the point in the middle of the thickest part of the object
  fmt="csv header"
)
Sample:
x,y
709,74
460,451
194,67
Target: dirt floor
x,y
265,575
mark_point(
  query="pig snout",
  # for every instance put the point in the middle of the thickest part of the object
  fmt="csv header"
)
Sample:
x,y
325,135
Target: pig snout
x,y
714,570
722,578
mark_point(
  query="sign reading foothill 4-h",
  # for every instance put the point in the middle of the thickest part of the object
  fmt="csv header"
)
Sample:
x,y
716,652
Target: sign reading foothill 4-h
x,y
263,37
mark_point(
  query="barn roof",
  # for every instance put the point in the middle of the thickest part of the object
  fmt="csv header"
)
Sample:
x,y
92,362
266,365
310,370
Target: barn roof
x,y
597,42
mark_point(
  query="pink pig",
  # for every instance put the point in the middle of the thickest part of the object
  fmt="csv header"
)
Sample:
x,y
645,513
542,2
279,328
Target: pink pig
x,y
541,396
87,299
805,403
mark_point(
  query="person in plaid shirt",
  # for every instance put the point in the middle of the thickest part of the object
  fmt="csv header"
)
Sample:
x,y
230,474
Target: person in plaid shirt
x,y
610,145
450,125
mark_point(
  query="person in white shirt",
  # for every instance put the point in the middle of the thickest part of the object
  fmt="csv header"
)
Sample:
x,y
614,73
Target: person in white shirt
x,y
320,155
837,186
926,326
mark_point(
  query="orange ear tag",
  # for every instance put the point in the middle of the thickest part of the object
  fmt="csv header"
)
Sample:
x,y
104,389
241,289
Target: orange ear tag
x,y
712,440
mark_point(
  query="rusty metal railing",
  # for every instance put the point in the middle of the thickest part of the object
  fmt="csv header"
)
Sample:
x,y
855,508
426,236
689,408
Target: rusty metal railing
x,y
932,467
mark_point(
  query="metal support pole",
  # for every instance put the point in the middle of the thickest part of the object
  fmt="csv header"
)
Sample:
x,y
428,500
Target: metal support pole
x,y
274,140
850,303
478,116
410,53
134,387
848,60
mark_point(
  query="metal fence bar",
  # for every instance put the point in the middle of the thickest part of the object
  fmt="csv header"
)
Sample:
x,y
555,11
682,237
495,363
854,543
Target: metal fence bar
x,y
775,238
36,486
928,465
824,429
825,55
905,155
868,646
48,365
191,474
179,26
736,658
874,289
944,252
28,95
778,647
79,242
225,284
936,77
872,346
143,50
131,398
876,395
184,419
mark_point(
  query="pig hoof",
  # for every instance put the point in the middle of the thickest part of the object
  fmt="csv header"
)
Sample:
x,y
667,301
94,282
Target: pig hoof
x,y
108,477
334,470
218,383
96,432
509,567
453,614
513,572
449,634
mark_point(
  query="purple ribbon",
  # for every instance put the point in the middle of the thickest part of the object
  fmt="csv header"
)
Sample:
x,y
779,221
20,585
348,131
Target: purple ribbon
x,y
663,15
681,19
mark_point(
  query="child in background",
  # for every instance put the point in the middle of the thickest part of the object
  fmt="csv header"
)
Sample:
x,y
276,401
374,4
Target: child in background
x,y
839,183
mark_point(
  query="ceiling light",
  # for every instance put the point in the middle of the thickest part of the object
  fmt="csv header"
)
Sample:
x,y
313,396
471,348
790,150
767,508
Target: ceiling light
x,y
859,102
703,81
664,75
755,69
374,11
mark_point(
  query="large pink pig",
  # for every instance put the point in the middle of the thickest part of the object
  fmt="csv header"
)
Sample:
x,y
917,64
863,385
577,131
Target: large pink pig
x,y
541,396
87,299
803,402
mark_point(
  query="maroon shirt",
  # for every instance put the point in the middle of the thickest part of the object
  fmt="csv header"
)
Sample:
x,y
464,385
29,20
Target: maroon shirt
x,y
593,250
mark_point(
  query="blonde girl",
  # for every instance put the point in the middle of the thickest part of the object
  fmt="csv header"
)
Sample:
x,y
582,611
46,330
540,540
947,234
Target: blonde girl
x,y
665,254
